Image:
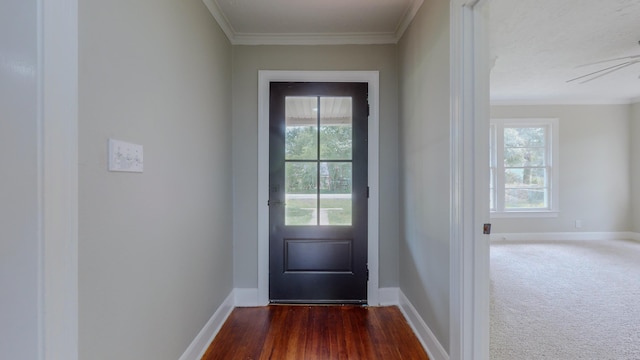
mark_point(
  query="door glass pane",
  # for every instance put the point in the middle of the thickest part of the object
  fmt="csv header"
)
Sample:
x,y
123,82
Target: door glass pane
x,y
301,133
301,193
336,129
335,193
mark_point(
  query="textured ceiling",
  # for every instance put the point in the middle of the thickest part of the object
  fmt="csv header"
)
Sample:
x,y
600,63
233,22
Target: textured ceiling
x,y
538,45
313,21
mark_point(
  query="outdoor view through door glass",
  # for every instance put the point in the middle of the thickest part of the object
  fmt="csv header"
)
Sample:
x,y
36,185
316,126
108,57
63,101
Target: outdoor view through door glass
x,y
318,160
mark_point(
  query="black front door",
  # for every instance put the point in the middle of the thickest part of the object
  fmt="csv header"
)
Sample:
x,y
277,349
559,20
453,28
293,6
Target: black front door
x,y
318,193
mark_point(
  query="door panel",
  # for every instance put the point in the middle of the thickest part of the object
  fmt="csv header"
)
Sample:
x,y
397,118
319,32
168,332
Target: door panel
x,y
318,192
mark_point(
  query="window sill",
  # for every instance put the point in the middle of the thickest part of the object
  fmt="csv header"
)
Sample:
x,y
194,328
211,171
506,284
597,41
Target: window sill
x,y
524,214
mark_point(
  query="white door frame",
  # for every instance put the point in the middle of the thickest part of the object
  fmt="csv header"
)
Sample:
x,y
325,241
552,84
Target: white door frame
x,y
264,78
58,179
469,266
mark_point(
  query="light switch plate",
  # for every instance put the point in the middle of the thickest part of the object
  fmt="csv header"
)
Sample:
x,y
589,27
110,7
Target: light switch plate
x,y
124,156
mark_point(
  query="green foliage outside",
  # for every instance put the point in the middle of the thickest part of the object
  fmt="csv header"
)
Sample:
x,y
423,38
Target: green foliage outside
x,y
300,211
335,144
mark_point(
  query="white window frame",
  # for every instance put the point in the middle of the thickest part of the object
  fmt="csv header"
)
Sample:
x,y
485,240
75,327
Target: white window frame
x,y
497,172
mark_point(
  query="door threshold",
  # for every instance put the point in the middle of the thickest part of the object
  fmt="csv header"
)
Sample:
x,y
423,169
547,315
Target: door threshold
x,y
319,302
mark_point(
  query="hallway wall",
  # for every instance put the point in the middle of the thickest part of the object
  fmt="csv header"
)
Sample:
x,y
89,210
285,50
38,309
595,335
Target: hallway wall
x,y
247,60
19,183
425,166
155,249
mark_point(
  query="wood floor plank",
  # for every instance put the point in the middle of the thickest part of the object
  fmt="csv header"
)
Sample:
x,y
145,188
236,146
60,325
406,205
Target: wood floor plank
x,y
317,346
400,334
384,350
275,344
241,336
298,322
315,332
357,340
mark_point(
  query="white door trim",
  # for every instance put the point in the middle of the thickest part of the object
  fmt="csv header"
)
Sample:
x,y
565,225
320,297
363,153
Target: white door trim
x,y
469,266
264,78
58,178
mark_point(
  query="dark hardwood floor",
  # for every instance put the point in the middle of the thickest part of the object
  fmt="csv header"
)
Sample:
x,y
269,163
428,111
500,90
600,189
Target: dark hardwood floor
x,y
282,332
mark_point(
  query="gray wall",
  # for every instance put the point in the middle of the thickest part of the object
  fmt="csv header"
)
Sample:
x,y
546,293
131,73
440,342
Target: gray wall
x,y
19,181
635,167
155,249
247,60
594,168
425,167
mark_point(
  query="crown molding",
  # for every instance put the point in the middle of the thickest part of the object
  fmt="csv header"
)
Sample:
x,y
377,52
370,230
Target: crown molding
x,y
312,38
407,18
221,18
562,101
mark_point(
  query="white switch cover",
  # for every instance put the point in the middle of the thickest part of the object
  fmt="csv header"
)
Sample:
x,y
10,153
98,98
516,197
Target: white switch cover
x,y
124,156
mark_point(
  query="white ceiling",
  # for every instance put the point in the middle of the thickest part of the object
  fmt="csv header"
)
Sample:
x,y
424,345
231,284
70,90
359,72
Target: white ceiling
x,y
277,22
538,45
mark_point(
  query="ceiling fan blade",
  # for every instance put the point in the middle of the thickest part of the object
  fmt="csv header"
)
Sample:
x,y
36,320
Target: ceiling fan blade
x,y
608,69
622,66
609,60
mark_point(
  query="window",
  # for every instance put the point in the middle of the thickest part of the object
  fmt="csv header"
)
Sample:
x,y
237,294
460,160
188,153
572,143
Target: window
x,y
523,167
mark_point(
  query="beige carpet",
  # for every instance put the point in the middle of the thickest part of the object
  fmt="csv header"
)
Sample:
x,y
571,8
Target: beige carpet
x,y
565,300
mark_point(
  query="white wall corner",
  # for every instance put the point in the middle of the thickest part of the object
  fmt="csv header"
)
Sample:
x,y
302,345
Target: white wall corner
x,y
563,236
246,297
430,343
201,343
389,296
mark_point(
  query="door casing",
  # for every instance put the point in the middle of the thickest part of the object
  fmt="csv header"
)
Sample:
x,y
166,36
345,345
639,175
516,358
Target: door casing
x,y
469,248
265,77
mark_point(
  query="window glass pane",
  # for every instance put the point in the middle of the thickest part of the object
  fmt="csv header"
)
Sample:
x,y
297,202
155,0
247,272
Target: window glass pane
x,y
336,130
492,204
492,146
525,156
335,193
301,193
527,177
492,191
301,133
526,199
524,136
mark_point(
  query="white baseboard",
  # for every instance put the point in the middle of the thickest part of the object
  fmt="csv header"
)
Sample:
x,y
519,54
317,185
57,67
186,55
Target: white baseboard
x,y
246,297
204,338
634,236
551,236
389,296
423,332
